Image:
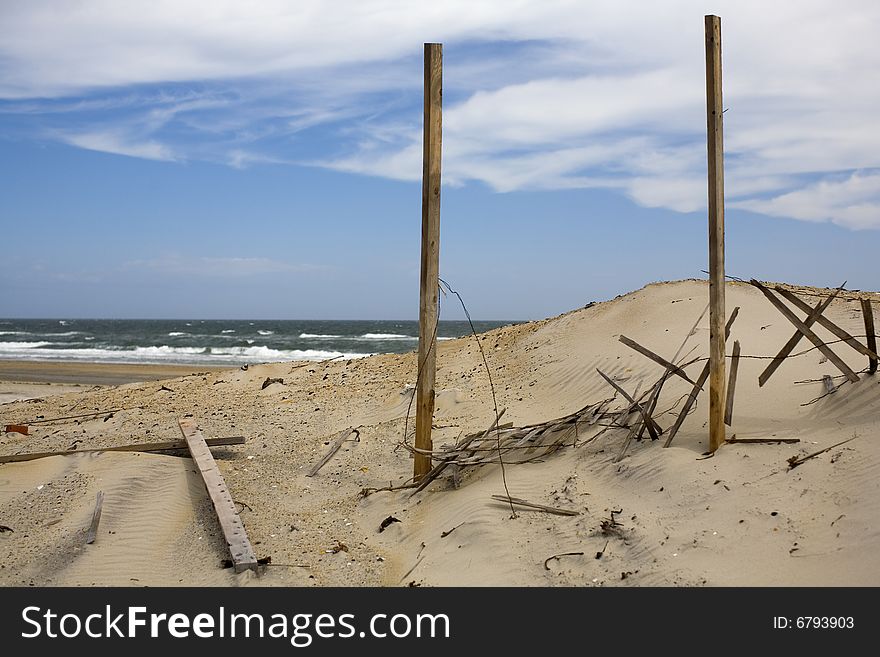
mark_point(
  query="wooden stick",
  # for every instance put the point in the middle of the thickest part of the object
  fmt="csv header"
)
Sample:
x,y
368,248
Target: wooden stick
x,y
531,505
795,461
440,467
734,439
233,529
74,417
794,339
674,369
430,267
812,337
731,384
868,313
651,403
138,447
334,447
653,428
701,380
827,323
715,141
92,533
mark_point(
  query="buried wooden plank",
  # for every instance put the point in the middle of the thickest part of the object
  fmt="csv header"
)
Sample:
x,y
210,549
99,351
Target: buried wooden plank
x,y
92,533
789,346
701,380
828,324
539,507
808,334
138,447
674,369
731,384
243,556
762,441
868,313
334,447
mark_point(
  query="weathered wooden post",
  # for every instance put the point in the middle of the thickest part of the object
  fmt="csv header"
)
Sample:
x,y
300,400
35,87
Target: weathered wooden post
x,y
715,141
430,269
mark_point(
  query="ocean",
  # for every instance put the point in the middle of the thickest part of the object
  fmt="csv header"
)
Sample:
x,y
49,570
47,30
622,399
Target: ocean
x,y
212,342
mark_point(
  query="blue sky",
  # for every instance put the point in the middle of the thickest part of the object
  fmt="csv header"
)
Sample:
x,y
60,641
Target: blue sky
x,y
241,160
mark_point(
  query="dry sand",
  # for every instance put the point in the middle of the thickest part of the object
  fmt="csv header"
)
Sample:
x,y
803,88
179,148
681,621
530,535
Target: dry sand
x,y
739,518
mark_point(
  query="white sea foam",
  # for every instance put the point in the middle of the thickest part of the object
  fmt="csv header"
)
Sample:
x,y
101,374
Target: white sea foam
x,y
318,335
228,331
175,334
266,332
15,332
387,336
62,322
20,346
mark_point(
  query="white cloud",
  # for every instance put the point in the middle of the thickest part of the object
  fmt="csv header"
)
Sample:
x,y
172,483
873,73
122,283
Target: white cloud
x,y
853,202
539,94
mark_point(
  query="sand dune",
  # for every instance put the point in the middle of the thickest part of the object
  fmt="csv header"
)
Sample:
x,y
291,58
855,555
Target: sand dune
x,y
739,518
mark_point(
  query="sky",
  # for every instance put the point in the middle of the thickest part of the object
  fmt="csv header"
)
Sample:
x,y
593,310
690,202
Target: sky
x,y
219,159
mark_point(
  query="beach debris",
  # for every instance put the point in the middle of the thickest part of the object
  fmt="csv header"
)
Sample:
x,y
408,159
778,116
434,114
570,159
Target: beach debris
x,y
390,520
268,382
4,529
92,532
539,507
334,447
731,383
108,416
244,368
230,522
336,549
166,446
557,556
165,388
808,333
41,420
758,441
17,428
653,427
448,532
698,386
264,561
795,461
674,369
601,552
868,314
610,525
830,387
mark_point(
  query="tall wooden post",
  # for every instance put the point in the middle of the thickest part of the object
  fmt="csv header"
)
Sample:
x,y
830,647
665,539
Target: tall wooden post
x,y
430,270
715,140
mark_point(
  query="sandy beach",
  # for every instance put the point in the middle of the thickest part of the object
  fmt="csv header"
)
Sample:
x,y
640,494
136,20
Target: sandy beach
x,y
658,517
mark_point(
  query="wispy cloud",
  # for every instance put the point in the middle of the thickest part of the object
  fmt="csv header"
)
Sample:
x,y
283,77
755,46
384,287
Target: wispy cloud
x,y
218,267
539,94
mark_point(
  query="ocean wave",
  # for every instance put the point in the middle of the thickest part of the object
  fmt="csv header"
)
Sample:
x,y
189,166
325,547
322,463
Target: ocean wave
x,y
18,346
15,332
266,332
319,335
41,334
387,336
228,331
175,334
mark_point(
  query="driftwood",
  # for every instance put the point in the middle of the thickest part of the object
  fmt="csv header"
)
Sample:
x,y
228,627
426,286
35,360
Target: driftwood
x,y
556,556
812,337
760,441
653,428
138,447
789,346
827,323
795,461
96,518
74,417
731,384
334,447
17,428
868,314
674,369
230,522
531,505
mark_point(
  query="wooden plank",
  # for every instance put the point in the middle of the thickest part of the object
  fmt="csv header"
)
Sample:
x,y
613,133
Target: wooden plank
x,y
653,427
531,505
701,380
429,280
138,447
794,339
868,313
715,143
243,556
759,441
674,369
812,337
731,384
334,447
92,533
74,417
827,323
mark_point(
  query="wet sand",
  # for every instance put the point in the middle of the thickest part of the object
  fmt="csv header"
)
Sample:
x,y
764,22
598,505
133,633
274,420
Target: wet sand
x,y
66,372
